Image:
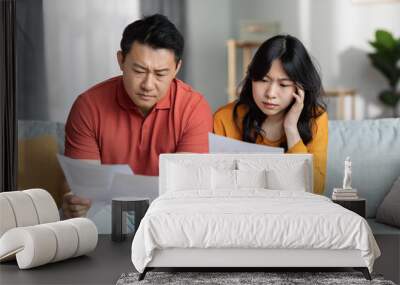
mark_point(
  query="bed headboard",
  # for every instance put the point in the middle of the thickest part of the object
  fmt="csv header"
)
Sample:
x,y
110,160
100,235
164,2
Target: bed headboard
x,y
231,161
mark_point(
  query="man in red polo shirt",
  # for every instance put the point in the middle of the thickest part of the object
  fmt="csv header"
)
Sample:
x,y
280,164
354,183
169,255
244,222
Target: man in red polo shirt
x,y
131,119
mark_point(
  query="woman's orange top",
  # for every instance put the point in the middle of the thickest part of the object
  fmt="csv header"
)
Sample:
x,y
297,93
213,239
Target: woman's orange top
x,y
224,125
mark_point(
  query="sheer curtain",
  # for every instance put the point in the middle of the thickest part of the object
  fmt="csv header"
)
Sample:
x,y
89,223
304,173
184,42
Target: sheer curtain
x,y
8,123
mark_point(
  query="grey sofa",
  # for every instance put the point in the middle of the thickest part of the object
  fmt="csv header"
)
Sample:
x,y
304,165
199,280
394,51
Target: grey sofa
x,y
374,147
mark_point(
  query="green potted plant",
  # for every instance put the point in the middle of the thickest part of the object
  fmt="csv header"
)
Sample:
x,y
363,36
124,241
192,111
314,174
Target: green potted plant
x,y
386,59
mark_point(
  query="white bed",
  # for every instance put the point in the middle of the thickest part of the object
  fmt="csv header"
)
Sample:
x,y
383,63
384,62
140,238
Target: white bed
x,y
202,220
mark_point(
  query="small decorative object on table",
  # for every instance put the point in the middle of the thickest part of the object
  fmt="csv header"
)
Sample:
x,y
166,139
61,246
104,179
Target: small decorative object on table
x,y
127,212
346,192
347,196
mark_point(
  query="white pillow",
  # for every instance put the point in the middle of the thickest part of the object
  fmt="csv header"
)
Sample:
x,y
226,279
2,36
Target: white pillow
x,y
294,180
251,178
283,174
223,179
182,177
237,179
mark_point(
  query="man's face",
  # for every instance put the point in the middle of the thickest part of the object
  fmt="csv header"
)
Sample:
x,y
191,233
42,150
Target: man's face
x,y
147,74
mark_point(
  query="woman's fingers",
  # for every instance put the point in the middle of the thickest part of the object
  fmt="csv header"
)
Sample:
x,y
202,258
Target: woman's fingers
x,y
299,94
299,98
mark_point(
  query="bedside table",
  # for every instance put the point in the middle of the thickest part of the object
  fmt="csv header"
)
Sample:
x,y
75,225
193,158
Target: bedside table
x,y
358,206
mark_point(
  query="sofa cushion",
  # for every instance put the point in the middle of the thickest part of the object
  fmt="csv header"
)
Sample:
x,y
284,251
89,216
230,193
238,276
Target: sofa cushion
x,y
382,229
28,129
372,145
38,166
389,211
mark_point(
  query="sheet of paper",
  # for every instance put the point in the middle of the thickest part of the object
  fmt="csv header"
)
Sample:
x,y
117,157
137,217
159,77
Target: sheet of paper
x,y
135,186
221,144
90,180
120,168
102,183
100,214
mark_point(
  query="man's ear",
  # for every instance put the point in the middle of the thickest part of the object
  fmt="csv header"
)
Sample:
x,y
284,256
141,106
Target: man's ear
x,y
178,67
120,58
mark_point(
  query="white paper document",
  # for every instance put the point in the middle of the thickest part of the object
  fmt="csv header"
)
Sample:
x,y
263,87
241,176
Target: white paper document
x,y
221,144
135,185
102,183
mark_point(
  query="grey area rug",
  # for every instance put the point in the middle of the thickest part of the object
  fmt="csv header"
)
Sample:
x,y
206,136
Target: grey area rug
x,y
226,278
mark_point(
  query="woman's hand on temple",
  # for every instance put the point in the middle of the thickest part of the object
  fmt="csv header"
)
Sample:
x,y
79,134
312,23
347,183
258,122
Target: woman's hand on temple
x,y
293,115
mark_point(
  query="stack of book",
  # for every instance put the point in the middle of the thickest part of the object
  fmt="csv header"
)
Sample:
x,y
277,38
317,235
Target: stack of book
x,y
344,194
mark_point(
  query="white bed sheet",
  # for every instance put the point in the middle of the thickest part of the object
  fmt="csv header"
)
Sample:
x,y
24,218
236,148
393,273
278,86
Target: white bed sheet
x,y
251,218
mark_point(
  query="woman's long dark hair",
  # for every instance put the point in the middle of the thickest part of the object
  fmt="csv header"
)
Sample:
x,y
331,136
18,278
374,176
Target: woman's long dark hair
x,y
299,67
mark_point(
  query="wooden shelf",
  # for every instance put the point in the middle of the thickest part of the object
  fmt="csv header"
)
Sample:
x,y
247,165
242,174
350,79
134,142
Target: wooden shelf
x,y
340,94
234,46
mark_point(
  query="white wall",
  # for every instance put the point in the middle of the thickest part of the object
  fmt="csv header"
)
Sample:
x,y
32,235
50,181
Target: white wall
x,y
81,41
340,31
336,33
208,28
284,11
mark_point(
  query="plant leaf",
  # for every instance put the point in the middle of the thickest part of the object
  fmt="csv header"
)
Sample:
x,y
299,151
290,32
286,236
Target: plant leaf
x,y
386,67
389,98
385,39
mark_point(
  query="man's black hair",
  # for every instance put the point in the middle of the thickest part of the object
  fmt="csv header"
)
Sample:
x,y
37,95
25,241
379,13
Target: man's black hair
x,y
156,31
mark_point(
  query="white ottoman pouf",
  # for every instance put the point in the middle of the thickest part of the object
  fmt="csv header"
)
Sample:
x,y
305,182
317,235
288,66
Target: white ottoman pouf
x,y
26,208
31,232
23,208
37,245
7,218
66,237
46,207
87,235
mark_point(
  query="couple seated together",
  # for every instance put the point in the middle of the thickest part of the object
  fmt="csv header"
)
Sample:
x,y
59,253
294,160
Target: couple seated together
x,y
133,118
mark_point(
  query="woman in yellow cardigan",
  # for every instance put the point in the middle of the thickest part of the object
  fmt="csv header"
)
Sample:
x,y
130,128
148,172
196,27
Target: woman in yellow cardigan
x,y
280,104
